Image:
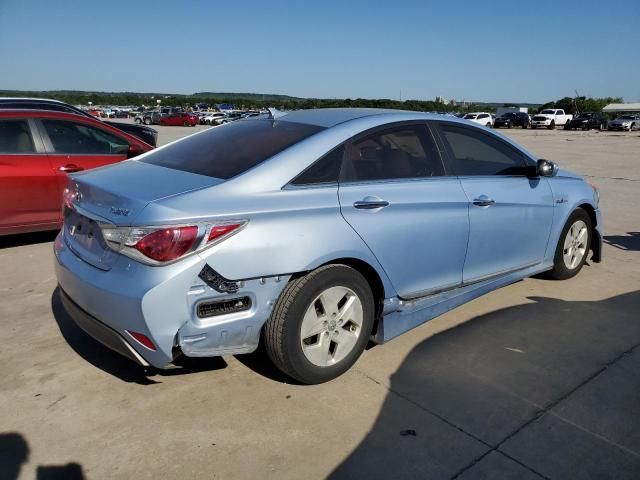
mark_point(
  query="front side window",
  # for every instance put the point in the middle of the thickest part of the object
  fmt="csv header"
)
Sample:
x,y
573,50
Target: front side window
x,y
15,137
399,152
473,152
231,149
79,139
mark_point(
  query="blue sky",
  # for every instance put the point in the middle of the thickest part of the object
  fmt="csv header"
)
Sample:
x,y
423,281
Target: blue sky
x,y
474,50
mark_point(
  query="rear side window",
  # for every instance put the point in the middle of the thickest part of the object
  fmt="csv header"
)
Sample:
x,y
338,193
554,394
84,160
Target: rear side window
x,y
15,137
79,139
476,153
325,170
398,152
232,149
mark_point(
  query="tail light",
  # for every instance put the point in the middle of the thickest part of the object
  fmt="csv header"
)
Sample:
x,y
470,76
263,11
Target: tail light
x,y
165,244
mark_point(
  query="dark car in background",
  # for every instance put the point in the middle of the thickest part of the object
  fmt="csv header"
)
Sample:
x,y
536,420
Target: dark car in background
x,y
146,134
587,121
513,119
150,117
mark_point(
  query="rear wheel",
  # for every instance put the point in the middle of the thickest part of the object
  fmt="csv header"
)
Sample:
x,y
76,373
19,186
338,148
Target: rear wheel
x,y
573,247
147,121
320,324
138,121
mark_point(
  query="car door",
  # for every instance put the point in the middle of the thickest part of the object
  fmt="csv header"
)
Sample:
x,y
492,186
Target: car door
x,y
74,146
510,213
28,186
394,193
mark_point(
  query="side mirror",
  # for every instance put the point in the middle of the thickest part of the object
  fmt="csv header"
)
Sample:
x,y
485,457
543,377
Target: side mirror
x,y
546,168
134,150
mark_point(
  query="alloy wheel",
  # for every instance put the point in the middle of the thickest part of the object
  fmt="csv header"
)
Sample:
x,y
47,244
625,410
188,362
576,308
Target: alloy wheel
x,y
331,326
575,244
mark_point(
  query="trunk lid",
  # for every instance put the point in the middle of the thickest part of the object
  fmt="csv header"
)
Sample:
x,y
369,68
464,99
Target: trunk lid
x,y
116,195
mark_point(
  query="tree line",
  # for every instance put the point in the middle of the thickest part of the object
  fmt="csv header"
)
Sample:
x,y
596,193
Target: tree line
x,y
568,104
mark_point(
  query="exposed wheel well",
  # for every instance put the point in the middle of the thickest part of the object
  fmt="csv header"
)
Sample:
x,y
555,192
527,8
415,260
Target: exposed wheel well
x,y
595,245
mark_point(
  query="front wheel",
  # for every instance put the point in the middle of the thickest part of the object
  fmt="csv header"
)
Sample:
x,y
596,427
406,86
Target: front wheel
x,y
147,121
573,247
138,121
552,125
321,324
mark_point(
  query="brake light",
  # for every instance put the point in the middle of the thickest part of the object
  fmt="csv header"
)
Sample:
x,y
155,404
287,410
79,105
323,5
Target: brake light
x,y
164,244
218,231
167,244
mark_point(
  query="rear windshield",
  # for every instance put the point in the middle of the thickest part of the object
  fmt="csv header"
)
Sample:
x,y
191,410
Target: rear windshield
x,y
226,151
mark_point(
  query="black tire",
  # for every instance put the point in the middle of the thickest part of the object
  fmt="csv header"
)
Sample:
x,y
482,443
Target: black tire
x,y
632,126
524,126
560,270
282,331
533,127
552,126
147,121
138,121
186,124
509,126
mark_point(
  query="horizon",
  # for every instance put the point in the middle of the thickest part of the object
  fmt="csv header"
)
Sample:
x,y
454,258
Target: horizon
x,y
239,95
409,50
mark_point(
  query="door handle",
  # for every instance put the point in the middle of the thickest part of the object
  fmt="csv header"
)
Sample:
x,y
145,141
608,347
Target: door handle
x,y
370,203
483,201
70,168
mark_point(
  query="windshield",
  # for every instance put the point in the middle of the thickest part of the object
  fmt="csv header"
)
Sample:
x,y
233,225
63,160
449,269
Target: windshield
x,y
548,112
625,117
470,116
585,115
232,149
508,115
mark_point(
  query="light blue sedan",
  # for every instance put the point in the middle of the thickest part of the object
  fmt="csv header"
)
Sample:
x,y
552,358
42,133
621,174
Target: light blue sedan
x,y
317,231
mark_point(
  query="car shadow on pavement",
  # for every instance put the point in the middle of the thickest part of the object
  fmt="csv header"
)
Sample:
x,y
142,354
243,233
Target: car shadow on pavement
x,y
260,363
630,241
21,239
14,452
485,382
107,360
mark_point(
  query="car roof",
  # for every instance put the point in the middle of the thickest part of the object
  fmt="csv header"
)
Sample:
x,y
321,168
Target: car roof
x,y
35,112
330,117
31,99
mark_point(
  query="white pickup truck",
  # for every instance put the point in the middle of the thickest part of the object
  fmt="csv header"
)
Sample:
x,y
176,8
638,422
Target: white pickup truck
x,y
550,118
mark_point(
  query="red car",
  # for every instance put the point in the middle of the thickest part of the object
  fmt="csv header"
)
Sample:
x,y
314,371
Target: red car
x,y
37,150
179,118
